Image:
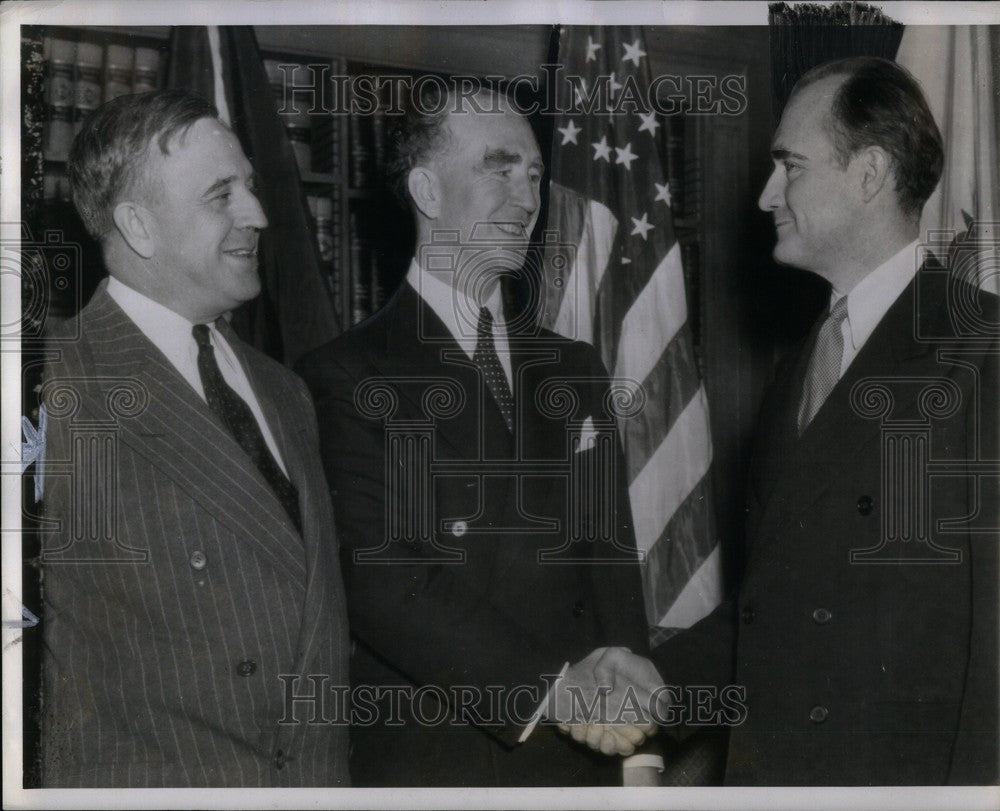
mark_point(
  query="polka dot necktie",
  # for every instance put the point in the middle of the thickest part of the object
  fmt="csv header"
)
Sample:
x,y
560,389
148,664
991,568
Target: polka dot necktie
x,y
488,361
824,365
239,420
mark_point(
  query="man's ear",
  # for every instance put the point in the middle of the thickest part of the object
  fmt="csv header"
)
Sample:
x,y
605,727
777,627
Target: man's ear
x,y
425,189
135,223
875,170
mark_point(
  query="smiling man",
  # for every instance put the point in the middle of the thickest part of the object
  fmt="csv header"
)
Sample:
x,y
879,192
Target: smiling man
x,y
864,631
192,567
458,441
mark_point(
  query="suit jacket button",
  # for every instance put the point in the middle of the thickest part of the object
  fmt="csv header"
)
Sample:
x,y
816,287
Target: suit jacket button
x,y
198,560
578,609
865,505
747,614
246,668
459,528
818,714
279,759
821,616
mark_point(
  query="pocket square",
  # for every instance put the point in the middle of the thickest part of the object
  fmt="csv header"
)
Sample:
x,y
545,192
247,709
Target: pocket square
x,y
588,436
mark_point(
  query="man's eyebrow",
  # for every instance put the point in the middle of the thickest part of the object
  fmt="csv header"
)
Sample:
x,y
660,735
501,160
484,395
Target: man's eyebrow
x,y
218,184
780,154
499,157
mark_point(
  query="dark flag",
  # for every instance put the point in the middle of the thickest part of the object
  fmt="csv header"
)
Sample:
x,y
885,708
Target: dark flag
x,y
294,313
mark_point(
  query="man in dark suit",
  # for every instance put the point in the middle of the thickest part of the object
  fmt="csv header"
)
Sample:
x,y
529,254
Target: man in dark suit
x,y
191,575
865,628
478,484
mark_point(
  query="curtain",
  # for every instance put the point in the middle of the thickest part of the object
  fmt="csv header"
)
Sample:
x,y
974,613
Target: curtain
x,y
959,68
806,35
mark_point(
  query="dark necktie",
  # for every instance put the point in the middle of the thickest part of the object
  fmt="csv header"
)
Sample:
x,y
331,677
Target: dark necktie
x,y
239,420
487,360
824,365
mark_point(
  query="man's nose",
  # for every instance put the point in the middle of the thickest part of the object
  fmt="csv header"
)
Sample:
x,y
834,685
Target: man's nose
x,y
526,195
251,213
773,195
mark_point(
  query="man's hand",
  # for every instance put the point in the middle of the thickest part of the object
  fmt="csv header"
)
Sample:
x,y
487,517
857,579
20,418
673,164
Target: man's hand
x,y
605,701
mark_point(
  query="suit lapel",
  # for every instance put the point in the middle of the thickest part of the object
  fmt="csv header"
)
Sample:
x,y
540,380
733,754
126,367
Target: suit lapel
x,y
420,351
291,433
177,433
824,453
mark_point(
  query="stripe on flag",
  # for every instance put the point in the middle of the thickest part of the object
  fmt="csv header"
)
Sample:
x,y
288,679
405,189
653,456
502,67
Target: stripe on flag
x,y
652,320
699,597
671,385
218,86
662,485
674,557
594,240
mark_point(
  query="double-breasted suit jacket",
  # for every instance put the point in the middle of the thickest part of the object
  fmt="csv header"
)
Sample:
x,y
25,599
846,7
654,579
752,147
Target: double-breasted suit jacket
x,y
865,628
476,559
179,600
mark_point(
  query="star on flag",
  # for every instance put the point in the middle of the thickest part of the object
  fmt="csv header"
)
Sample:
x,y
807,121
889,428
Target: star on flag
x,y
649,123
602,149
663,193
642,226
592,49
569,132
633,52
625,156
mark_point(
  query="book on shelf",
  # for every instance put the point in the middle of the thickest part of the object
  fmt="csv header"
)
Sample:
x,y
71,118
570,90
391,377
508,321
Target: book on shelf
x,y
675,163
59,56
88,63
79,77
337,266
147,70
293,110
361,148
120,70
325,229
360,299
378,141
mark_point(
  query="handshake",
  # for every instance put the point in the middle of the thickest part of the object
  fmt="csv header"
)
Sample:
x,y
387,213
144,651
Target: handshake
x,y
607,701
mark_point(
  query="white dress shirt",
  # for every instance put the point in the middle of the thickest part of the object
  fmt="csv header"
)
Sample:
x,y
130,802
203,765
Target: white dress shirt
x,y
460,314
871,299
171,334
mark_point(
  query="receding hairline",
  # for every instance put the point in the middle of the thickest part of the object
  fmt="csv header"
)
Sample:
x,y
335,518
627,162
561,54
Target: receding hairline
x,y
159,147
507,111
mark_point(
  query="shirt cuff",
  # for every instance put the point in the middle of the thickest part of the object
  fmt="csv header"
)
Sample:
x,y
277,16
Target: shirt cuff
x,y
638,761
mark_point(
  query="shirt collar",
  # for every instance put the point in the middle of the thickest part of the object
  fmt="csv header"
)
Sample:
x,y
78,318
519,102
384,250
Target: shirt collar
x,y
872,297
454,307
168,331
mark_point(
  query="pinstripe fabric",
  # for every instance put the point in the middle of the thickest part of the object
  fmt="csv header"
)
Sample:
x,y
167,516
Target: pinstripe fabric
x,y
201,571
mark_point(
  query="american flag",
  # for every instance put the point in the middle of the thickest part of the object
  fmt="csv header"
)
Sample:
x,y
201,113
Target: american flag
x,y
624,293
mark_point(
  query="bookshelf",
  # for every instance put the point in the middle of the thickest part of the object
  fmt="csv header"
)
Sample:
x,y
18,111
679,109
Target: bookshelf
x,y
361,232
364,235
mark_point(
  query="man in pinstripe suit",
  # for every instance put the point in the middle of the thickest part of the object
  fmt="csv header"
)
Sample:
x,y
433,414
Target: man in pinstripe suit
x,y
191,578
